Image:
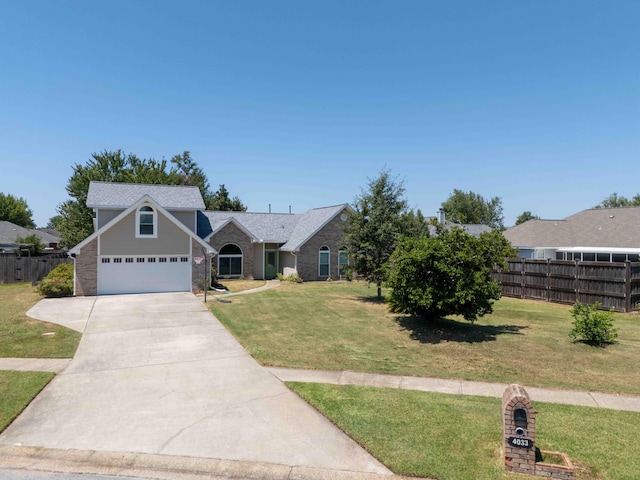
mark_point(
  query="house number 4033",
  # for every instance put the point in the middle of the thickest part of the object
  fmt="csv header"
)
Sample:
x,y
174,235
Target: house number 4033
x,y
520,442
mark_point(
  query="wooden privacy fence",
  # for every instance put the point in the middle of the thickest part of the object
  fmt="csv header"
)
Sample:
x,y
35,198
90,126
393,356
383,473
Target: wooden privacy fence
x,y
27,269
614,285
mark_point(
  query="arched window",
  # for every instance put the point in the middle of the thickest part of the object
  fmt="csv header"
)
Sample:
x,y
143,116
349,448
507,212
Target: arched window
x,y
324,259
230,261
146,222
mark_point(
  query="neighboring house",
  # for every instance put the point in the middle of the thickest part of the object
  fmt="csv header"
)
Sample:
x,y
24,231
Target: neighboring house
x,y
10,233
152,238
474,229
599,234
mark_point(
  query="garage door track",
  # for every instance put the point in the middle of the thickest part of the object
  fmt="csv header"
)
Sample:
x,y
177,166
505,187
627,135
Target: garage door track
x,y
157,373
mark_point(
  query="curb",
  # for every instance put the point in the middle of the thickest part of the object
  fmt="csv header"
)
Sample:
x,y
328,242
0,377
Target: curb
x,y
165,467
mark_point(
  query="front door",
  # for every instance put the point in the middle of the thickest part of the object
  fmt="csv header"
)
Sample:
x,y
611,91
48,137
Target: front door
x,y
270,264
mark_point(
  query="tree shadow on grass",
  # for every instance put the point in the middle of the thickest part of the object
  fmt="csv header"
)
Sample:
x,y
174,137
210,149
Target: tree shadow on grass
x,y
447,330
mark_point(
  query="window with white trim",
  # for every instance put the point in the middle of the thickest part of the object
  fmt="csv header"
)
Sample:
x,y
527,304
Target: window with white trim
x,y
324,260
343,262
146,222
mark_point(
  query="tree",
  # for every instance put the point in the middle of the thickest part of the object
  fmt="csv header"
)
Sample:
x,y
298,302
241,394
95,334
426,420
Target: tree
x,y
469,207
525,217
15,210
220,201
75,220
614,201
54,222
35,244
374,226
447,274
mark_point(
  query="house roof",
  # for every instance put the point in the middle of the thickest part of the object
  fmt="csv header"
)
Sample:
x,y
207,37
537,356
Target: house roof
x,y
9,232
123,195
131,208
292,230
309,224
597,228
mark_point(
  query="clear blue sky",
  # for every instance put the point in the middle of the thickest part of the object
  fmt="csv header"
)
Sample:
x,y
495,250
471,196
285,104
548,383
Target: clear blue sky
x,y
301,102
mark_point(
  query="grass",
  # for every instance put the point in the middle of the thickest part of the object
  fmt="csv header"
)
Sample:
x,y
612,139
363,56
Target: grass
x,y
23,337
237,285
18,389
459,437
341,326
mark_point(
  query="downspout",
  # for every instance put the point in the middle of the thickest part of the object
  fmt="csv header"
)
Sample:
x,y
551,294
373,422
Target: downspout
x,y
73,256
264,252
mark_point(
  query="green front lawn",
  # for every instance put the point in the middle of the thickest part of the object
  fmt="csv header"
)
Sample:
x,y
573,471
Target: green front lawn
x,y
17,389
23,337
459,437
341,326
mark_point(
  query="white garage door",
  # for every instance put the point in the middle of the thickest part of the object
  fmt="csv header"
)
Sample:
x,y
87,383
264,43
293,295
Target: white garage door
x,y
143,274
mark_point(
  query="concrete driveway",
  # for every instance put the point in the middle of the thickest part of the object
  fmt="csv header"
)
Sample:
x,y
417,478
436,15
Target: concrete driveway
x,y
157,373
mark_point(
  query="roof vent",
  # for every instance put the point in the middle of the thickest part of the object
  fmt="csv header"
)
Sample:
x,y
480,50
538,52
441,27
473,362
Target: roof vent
x,y
611,216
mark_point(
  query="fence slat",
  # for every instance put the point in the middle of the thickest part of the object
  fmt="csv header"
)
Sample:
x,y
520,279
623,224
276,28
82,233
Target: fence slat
x,y
613,284
28,269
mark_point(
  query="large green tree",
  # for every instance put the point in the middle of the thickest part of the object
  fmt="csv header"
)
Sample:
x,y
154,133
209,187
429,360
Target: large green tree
x,y
614,200
525,217
470,207
448,273
75,220
220,200
15,210
375,224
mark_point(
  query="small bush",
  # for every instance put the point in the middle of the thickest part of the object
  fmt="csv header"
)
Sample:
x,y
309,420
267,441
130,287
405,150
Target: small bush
x,y
293,278
593,326
59,282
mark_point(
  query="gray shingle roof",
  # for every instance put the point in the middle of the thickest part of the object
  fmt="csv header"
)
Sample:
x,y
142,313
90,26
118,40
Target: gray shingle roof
x,y
9,232
310,222
598,227
292,230
123,195
268,227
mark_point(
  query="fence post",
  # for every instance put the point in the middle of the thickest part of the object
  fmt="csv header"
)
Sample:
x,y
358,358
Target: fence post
x,y
522,277
547,280
577,281
627,286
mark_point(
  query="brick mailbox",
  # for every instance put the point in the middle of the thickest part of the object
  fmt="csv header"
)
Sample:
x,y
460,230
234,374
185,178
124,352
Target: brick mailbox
x,y
519,438
519,431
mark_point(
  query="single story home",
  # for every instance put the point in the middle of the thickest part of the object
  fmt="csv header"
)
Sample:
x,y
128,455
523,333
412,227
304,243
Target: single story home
x,y
598,234
159,238
10,233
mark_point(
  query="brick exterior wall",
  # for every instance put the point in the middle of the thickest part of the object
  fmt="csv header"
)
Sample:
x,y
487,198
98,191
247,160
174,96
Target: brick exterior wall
x,y
87,269
232,234
199,272
331,235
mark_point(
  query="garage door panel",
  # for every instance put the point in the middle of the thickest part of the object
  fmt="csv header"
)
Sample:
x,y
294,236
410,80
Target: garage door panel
x,y
119,276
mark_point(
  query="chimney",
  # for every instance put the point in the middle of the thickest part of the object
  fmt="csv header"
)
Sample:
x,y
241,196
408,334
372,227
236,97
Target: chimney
x,y
441,216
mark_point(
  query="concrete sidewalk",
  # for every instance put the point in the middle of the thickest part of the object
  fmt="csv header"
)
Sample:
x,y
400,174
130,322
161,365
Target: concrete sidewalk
x,y
460,387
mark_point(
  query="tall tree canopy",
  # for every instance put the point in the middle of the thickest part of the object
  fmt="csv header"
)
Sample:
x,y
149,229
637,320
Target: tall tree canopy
x,y
75,220
525,217
446,274
15,210
375,224
470,207
615,200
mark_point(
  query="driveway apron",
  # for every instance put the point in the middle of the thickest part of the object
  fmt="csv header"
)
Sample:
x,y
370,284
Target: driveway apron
x,y
157,373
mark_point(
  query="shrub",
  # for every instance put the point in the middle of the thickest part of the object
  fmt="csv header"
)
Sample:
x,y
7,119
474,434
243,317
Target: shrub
x,y
292,278
59,282
593,326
